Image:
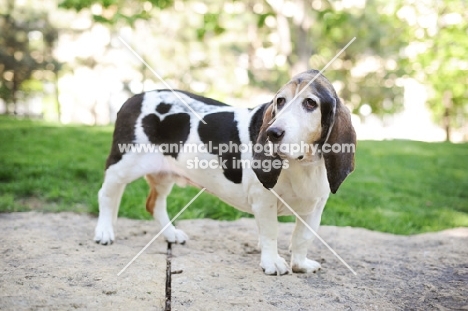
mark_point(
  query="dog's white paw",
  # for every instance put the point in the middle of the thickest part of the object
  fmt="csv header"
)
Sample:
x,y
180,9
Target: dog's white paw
x,y
276,265
306,266
174,235
104,234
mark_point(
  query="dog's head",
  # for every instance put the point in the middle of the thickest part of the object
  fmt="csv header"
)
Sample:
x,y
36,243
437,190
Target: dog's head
x,y
305,121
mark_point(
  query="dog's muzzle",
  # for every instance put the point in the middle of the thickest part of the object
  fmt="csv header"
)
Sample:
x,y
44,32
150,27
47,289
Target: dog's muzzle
x,y
275,134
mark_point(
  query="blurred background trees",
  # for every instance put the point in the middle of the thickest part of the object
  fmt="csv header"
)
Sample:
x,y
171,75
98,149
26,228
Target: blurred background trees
x,y
27,64
407,54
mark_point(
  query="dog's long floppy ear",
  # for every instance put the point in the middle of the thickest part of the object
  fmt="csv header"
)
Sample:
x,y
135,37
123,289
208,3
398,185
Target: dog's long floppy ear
x,y
263,166
336,125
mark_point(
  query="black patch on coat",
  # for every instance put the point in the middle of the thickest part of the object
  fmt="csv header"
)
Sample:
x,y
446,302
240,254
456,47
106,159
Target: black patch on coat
x,y
256,123
221,128
266,175
173,129
124,130
205,100
163,108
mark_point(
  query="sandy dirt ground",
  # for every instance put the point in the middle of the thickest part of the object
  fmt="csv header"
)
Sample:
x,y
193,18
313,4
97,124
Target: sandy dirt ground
x,y
49,262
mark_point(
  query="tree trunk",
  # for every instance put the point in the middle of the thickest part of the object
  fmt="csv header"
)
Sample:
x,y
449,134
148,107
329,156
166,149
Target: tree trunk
x,y
57,101
303,51
447,101
301,26
14,93
283,28
251,48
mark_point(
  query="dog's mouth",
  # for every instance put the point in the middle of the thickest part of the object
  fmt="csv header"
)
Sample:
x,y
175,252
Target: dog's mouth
x,y
276,150
290,157
302,159
282,155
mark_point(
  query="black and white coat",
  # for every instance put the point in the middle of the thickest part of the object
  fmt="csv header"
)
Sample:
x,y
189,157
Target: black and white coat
x,y
159,117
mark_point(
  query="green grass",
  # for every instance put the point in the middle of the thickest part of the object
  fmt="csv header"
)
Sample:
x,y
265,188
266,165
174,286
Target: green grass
x,y
401,187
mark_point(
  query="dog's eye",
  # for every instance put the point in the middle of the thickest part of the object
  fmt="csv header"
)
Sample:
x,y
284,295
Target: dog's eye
x,y
309,104
280,102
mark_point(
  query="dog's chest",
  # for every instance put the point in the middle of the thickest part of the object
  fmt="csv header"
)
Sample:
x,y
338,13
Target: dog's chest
x,y
302,188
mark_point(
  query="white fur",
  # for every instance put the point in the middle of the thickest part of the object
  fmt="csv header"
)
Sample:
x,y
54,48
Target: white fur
x,y
304,185
298,124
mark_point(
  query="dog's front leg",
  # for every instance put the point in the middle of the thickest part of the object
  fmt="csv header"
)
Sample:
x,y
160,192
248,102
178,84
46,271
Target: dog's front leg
x,y
266,217
302,238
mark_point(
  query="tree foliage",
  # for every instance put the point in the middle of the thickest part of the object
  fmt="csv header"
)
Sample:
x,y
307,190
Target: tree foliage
x,y
25,52
272,40
115,11
442,61
307,36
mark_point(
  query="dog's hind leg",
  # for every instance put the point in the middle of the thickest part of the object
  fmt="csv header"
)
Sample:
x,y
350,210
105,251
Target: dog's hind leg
x,y
117,176
156,205
109,200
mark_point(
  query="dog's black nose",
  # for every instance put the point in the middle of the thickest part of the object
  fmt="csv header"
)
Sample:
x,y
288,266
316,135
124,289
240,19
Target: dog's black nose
x,y
275,134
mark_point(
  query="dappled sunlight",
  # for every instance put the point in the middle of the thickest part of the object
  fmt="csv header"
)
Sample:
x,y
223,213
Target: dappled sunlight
x,y
414,122
457,233
403,78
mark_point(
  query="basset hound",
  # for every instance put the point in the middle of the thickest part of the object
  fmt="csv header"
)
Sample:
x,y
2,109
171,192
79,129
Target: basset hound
x,y
301,145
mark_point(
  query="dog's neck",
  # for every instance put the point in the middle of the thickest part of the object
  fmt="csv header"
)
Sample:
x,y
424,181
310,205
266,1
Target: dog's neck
x,y
312,174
